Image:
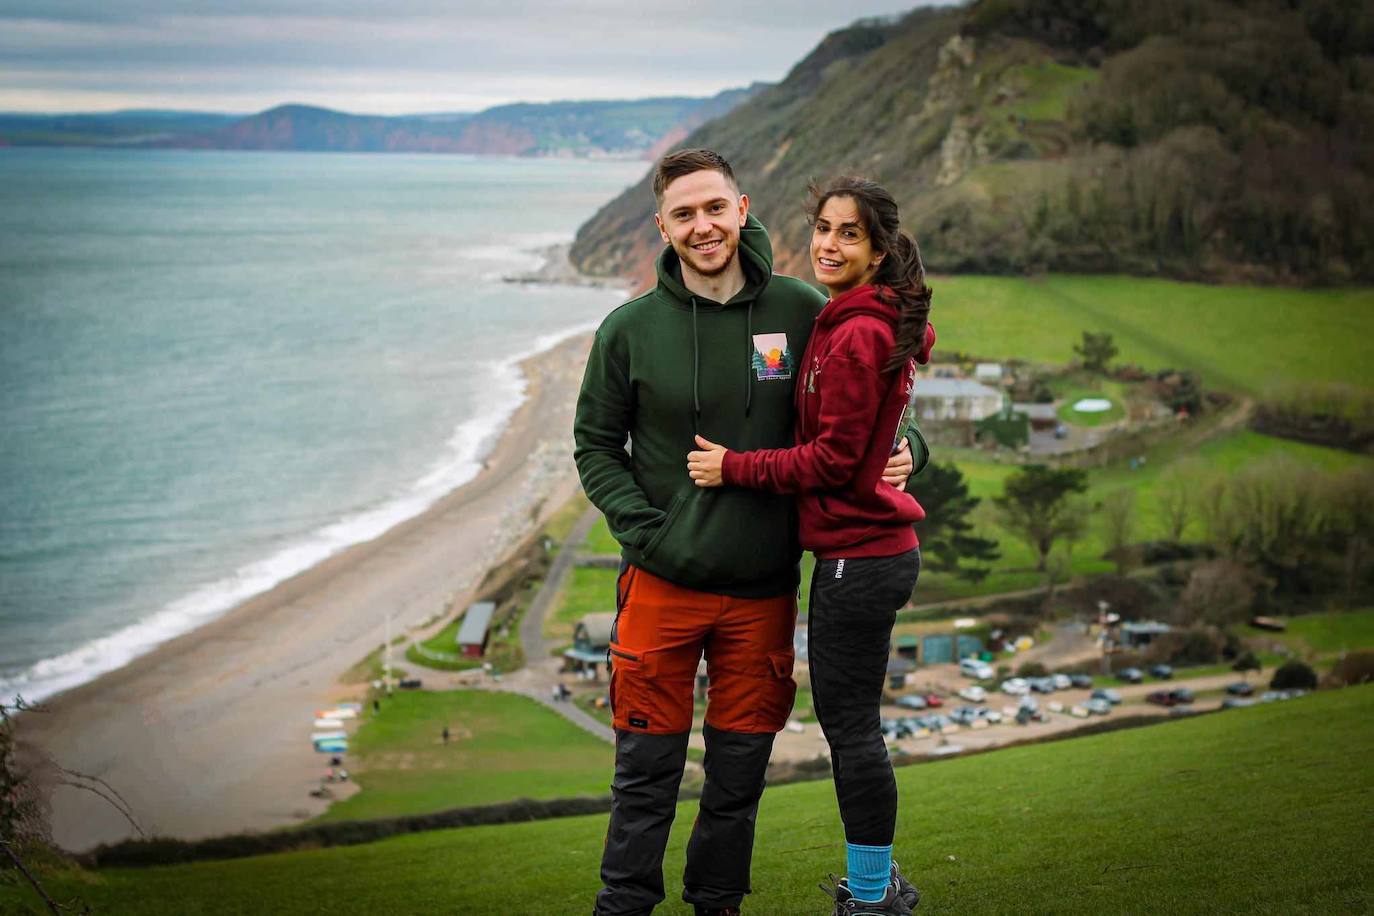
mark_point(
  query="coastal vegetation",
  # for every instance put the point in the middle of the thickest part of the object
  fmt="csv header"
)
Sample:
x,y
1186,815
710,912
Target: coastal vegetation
x,y
1217,140
1248,810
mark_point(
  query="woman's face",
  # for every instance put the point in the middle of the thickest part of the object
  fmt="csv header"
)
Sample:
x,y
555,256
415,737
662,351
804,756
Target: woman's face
x,y
842,253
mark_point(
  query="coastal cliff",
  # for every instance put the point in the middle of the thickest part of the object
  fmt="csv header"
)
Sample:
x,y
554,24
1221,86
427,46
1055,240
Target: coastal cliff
x,y
1220,141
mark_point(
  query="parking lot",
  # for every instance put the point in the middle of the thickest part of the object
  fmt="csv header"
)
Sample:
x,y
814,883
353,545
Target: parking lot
x,y
945,682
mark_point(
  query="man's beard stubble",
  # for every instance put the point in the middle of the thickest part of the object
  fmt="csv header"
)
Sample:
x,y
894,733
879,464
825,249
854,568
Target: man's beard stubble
x,y
691,262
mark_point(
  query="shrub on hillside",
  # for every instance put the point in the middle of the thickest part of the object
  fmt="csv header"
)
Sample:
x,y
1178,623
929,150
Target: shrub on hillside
x,y
1339,416
1246,663
1032,669
1294,675
1355,668
1219,593
1193,646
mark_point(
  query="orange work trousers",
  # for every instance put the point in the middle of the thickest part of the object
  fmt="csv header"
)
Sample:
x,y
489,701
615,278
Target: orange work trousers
x,y
660,634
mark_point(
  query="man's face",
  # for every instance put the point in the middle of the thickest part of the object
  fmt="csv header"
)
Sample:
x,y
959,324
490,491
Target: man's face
x,y
701,216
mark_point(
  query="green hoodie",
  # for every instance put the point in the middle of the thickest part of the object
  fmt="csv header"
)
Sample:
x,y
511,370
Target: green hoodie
x,y
668,365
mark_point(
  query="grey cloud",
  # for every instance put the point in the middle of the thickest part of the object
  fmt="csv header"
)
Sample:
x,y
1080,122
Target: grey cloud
x,y
493,51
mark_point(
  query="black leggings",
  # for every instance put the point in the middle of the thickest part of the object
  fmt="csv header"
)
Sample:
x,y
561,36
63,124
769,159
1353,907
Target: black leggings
x,y
854,604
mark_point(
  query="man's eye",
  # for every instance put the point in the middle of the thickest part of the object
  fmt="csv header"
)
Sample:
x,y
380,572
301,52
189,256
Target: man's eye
x,y
717,208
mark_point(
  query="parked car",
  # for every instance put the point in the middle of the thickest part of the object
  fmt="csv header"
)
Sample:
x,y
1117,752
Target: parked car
x,y
973,693
1015,686
911,701
1176,697
1130,675
1108,694
1238,702
1081,681
1240,689
934,700
977,669
965,715
937,721
1098,706
1061,681
913,725
992,715
1041,684
1163,672
1061,431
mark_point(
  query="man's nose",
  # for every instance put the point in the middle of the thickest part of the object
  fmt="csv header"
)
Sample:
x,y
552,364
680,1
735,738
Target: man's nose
x,y
702,224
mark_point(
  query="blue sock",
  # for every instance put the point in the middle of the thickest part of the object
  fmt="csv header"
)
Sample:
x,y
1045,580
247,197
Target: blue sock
x,y
870,871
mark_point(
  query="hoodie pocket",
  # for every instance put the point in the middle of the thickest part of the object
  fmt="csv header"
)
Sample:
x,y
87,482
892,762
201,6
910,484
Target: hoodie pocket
x,y
719,538
674,510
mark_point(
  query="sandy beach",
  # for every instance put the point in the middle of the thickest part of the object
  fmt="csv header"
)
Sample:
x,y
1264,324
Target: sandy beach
x,y
210,732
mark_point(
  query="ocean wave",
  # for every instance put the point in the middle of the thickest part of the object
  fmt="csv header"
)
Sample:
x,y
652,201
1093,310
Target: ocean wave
x,y
466,449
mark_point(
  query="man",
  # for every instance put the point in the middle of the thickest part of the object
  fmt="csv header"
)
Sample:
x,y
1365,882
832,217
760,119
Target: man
x,y
710,351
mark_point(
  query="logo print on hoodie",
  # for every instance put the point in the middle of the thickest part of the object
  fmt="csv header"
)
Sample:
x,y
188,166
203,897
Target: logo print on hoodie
x,y
771,358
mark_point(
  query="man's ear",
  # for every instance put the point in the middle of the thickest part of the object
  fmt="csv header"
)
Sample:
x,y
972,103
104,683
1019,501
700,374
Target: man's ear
x,y
743,209
663,233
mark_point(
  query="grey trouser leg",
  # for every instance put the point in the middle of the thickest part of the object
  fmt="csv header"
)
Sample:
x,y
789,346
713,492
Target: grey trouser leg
x,y
722,843
648,770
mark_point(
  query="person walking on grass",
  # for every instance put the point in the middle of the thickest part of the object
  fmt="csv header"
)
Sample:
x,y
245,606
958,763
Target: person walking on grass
x,y
857,378
710,350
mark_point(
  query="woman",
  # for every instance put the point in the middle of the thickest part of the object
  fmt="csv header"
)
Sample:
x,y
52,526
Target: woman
x,y
858,373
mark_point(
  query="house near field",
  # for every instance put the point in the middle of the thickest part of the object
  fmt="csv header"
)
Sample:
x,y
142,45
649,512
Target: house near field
x,y
1041,416
1138,634
591,642
988,373
956,399
475,628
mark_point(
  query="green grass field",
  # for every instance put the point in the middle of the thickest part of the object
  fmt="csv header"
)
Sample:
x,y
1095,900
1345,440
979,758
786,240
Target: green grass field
x,y
1325,634
503,747
1303,335
1262,810
1226,454
587,590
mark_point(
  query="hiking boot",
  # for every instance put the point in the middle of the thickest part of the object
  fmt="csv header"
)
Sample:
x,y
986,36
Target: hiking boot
x,y
905,889
845,905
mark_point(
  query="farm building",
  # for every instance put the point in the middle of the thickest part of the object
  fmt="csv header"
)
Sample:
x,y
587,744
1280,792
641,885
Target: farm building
x,y
472,634
591,640
956,399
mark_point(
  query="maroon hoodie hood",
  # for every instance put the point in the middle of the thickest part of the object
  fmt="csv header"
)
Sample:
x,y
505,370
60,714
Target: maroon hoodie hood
x,y
848,408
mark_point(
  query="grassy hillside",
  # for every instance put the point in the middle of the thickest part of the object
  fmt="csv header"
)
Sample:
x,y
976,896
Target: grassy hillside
x,y
1208,139
1262,810
502,747
1243,339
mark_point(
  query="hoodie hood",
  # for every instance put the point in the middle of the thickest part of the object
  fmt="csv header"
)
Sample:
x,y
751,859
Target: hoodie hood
x,y
755,253
861,300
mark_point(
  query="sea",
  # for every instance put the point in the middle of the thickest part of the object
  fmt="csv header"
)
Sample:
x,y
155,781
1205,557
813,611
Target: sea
x,y
219,368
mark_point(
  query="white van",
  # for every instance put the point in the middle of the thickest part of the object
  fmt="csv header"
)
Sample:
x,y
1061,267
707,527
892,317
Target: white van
x,y
975,668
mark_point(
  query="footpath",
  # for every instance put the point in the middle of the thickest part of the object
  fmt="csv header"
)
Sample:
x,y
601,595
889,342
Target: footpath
x,y
541,672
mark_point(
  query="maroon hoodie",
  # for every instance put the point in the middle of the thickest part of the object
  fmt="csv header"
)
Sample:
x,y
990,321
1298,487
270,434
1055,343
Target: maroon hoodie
x,y
848,410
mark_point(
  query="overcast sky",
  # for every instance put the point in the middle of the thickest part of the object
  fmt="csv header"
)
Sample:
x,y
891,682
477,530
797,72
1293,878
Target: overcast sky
x,y
396,56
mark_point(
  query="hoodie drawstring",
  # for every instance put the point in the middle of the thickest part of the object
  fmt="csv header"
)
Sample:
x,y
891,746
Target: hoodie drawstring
x,y
749,361
696,370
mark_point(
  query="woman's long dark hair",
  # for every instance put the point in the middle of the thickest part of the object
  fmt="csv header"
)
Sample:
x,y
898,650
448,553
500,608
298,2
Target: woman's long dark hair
x,y
901,271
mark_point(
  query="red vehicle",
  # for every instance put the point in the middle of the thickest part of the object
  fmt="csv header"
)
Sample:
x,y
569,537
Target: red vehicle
x,y
934,701
1176,697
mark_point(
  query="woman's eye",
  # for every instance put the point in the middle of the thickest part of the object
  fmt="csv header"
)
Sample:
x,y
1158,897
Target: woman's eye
x,y
850,235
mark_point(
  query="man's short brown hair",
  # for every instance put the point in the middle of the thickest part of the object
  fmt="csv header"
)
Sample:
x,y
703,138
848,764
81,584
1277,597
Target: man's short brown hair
x,y
686,161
